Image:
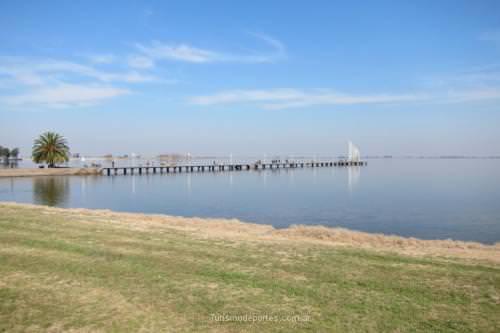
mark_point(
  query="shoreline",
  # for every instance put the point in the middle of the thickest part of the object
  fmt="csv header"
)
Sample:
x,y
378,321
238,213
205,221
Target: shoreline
x,y
236,230
83,270
32,172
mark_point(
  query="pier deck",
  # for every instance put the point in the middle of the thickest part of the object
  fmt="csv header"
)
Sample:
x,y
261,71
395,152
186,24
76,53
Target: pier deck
x,y
128,170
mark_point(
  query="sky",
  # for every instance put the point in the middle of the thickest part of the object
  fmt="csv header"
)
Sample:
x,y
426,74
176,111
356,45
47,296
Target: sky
x,y
252,77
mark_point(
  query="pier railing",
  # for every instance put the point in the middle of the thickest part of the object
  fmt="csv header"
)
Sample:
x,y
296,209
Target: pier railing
x,y
224,166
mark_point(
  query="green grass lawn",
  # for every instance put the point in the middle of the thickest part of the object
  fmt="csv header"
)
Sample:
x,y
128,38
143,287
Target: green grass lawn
x,y
67,271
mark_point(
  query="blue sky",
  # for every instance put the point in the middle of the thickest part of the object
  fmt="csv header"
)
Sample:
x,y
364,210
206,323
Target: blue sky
x,y
255,77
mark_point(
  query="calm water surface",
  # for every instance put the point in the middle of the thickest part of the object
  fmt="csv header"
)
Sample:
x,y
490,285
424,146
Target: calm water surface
x,y
431,199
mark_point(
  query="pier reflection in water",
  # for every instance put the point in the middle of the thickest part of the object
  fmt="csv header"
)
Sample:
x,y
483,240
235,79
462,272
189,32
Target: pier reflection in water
x,y
439,198
353,177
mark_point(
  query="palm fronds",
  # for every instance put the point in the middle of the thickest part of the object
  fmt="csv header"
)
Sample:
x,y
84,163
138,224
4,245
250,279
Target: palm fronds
x,y
50,148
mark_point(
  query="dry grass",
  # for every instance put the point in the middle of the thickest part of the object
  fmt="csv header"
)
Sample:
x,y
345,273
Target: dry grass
x,y
233,229
401,245
79,270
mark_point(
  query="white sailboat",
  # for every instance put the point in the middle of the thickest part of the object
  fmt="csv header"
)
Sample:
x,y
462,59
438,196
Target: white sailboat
x,y
353,154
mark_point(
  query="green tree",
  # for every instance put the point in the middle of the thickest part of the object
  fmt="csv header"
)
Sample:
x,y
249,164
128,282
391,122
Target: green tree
x,y
3,154
14,152
50,148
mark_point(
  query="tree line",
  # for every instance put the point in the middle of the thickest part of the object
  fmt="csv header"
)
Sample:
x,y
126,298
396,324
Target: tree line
x,y
50,148
6,153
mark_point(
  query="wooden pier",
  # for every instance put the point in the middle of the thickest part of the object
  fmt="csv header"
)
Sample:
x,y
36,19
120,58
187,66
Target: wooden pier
x,y
140,170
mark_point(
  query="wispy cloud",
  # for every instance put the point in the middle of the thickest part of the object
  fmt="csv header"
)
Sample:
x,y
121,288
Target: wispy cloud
x,y
472,95
65,95
483,76
184,52
102,58
279,47
490,36
480,83
60,83
28,80
35,71
21,77
285,98
62,67
140,62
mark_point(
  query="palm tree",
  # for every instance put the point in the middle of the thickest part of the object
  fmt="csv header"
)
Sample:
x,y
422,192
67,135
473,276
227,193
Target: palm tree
x,y
50,148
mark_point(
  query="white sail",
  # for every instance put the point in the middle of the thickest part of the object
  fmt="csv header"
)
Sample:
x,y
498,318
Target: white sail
x,y
353,154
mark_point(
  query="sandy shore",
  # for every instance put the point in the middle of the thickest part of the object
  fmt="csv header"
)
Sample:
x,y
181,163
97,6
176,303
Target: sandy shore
x,y
234,229
31,172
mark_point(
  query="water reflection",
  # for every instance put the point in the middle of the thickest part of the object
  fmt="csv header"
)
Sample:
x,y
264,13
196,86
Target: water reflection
x,y
421,198
51,191
353,177
8,164
133,184
188,183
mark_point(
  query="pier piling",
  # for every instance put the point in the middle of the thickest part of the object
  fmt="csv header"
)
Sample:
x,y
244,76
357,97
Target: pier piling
x,y
230,167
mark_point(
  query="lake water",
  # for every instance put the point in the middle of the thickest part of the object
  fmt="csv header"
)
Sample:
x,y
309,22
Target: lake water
x,y
424,198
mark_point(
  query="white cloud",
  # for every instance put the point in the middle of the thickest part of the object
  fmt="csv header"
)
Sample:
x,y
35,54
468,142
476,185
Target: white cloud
x,y
487,75
35,80
22,76
284,98
181,52
102,58
279,47
59,83
140,62
65,95
480,83
67,67
490,36
133,77
38,72
187,53
471,85
473,95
